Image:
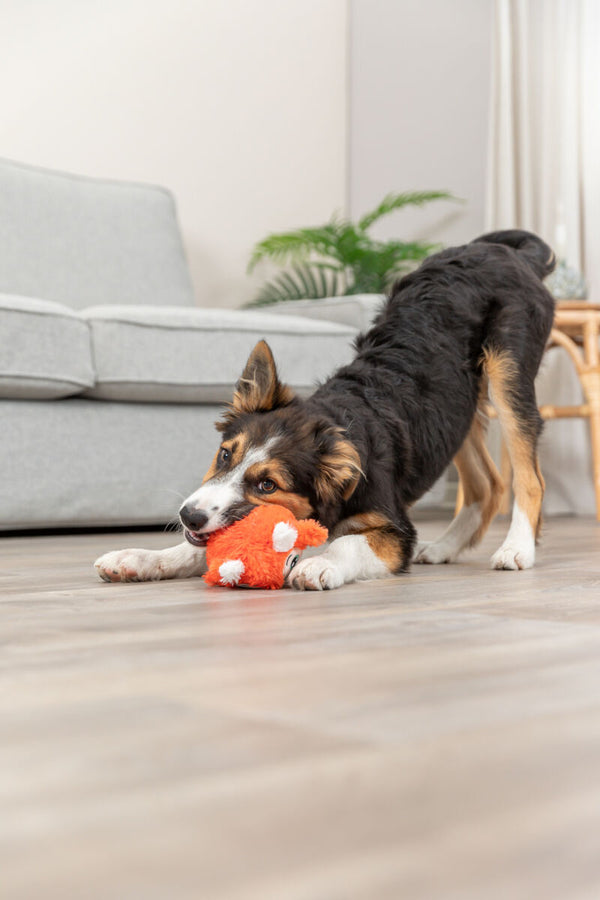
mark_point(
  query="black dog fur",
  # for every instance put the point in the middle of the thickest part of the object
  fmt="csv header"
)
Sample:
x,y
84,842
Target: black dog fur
x,y
407,401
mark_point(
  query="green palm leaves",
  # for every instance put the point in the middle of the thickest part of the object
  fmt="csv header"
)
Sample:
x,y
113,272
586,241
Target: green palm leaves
x,y
341,257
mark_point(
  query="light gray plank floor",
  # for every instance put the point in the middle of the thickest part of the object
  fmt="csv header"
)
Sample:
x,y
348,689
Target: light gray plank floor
x,y
430,736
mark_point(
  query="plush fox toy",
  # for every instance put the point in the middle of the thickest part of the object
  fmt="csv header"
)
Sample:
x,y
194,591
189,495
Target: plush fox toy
x,y
260,550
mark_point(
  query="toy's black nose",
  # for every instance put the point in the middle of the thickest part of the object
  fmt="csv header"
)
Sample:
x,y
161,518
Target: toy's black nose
x,y
194,519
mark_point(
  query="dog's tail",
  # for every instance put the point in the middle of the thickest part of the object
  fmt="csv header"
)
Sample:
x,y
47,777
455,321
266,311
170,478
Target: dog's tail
x,y
529,247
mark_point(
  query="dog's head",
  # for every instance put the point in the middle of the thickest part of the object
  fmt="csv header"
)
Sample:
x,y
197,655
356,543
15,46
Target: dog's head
x,y
273,450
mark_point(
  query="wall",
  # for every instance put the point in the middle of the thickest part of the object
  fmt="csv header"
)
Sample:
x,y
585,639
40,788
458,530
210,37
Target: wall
x,y
242,110
420,87
237,107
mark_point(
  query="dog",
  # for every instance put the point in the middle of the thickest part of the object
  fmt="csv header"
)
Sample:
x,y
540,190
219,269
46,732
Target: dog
x,y
468,327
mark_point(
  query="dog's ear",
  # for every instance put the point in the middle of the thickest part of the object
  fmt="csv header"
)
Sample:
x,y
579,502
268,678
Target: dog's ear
x,y
259,388
339,468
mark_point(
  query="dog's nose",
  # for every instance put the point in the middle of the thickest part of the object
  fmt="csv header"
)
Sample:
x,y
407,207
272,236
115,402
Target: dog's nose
x,y
194,519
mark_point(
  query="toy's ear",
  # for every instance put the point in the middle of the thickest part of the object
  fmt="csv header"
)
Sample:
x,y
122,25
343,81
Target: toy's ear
x,y
284,537
311,534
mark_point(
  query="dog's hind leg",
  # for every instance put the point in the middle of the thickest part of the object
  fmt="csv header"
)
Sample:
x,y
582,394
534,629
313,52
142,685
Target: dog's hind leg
x,y
483,490
512,394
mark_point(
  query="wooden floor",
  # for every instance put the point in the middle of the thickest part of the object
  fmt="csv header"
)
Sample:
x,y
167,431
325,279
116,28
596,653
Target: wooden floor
x,y
432,736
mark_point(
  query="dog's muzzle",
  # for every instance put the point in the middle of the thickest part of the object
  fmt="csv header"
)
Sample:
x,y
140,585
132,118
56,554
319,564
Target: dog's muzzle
x,y
193,521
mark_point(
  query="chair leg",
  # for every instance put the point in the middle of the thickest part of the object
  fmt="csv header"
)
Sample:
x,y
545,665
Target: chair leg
x,y
591,387
590,380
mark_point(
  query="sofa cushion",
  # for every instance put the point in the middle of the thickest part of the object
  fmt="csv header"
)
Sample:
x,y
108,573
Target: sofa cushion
x,y
182,355
44,350
357,310
82,241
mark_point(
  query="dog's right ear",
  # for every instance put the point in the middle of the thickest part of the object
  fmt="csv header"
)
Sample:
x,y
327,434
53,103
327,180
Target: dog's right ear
x,y
259,388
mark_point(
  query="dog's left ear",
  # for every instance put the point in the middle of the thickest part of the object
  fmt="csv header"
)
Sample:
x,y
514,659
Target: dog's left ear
x,y
339,468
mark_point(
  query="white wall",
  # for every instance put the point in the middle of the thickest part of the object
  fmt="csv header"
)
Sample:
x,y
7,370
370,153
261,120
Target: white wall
x,y
238,107
420,87
241,109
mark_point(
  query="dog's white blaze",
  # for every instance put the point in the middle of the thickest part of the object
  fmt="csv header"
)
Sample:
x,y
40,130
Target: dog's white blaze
x,y
518,549
221,492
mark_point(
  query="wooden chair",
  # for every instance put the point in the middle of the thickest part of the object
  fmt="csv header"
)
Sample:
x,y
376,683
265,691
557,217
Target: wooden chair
x,y
576,329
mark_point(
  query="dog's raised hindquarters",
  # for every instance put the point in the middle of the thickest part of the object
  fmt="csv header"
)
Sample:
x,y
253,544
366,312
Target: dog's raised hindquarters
x,y
470,325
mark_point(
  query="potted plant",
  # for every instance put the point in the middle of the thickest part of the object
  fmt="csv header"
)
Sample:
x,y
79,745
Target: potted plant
x,y
341,257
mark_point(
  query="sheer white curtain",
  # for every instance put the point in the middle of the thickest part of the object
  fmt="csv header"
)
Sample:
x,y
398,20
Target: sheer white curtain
x,y
544,149
544,175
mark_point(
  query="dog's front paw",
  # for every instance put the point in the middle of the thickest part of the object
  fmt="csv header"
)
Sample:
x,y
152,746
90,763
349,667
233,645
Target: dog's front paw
x,y
130,565
511,557
316,574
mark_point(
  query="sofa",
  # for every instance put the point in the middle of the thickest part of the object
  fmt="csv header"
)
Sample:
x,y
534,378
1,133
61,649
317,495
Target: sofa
x,y
111,378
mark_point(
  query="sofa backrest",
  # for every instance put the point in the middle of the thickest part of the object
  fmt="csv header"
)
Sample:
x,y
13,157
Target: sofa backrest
x,y
85,241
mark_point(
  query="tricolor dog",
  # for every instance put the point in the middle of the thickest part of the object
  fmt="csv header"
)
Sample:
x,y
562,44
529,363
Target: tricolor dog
x,y
468,327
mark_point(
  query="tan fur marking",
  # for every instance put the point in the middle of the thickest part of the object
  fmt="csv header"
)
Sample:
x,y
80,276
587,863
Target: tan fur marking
x,y
376,529
212,471
498,366
254,399
259,387
540,477
479,476
296,503
258,472
237,447
528,489
360,524
279,474
340,471
274,469
528,484
386,546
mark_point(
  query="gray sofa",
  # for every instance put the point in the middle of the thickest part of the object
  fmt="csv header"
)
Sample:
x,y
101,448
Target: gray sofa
x,y
110,377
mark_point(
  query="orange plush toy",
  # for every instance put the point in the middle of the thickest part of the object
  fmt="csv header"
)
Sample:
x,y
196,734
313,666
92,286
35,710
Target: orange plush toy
x,y
260,550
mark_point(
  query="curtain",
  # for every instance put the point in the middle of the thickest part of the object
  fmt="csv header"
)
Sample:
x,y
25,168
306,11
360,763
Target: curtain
x,y
544,146
544,175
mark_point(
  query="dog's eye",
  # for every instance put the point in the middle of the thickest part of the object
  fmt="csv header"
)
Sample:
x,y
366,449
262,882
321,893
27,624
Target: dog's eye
x,y
267,486
224,455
